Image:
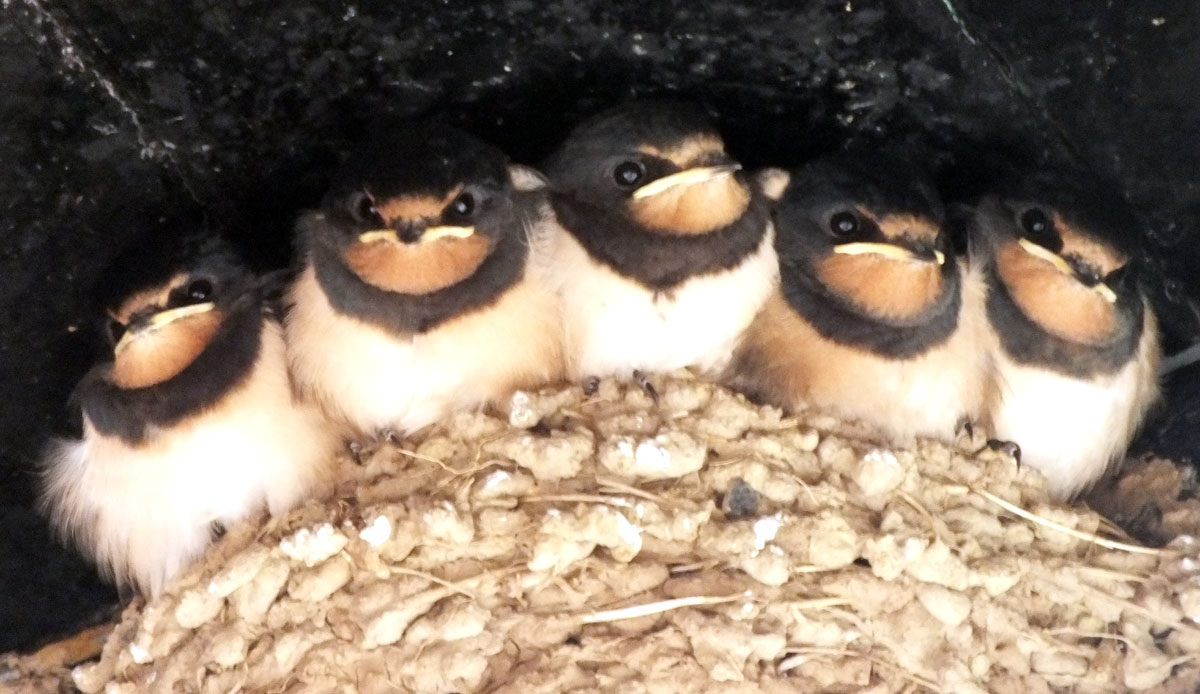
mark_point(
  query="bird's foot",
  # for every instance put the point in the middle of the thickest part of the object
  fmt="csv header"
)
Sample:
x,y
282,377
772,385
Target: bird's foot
x,y
969,436
363,447
357,449
644,382
1009,447
1146,525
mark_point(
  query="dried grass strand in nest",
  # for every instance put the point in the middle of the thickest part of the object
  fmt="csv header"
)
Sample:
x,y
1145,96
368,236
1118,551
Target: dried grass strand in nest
x,y
635,611
1078,534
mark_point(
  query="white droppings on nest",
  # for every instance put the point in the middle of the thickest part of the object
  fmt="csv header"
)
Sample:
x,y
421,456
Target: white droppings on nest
x,y
312,546
879,473
140,655
520,414
481,556
495,479
668,455
377,531
527,408
765,529
629,533
652,458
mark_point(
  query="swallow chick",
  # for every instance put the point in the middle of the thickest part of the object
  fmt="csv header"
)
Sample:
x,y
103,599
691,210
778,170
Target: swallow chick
x,y
874,318
1072,336
188,422
665,246
418,294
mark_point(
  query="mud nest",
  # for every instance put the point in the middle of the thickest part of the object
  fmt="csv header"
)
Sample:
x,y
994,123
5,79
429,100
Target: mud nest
x,y
697,543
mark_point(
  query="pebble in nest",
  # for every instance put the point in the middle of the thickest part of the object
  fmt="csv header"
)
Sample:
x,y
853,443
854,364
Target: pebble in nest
x,y
665,253
420,292
874,318
1073,338
187,423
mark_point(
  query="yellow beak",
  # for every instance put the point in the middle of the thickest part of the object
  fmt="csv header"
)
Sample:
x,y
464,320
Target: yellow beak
x,y
888,250
162,318
431,234
378,235
687,177
441,232
1064,267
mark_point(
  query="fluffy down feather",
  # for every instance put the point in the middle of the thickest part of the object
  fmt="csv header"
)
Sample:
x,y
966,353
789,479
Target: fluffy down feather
x,y
143,513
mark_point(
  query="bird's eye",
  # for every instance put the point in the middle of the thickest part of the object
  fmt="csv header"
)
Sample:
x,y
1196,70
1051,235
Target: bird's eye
x,y
199,291
114,330
463,207
843,224
362,208
1038,228
629,174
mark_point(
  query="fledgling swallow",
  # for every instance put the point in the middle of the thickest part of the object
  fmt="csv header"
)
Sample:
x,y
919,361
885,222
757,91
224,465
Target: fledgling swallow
x,y
874,318
189,422
1073,338
418,293
665,249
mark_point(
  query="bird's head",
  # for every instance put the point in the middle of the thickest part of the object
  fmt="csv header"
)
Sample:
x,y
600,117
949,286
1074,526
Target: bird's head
x,y
661,164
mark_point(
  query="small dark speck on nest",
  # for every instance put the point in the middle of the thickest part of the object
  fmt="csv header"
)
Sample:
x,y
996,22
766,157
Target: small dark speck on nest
x,y
741,501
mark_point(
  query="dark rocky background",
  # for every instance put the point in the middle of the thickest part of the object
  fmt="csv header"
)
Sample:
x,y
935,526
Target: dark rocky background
x,y
131,118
